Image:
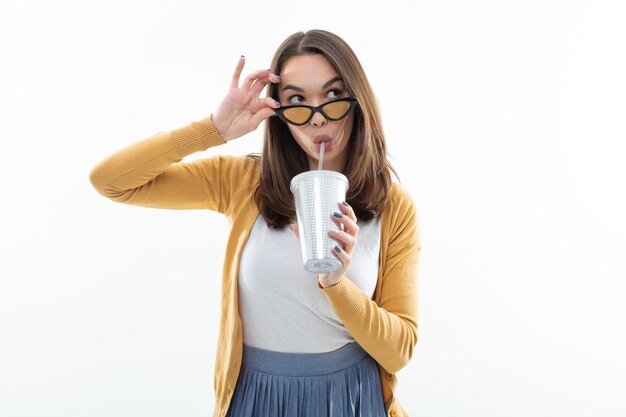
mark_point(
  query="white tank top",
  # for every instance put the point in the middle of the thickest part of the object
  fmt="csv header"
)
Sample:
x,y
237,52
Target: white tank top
x,y
281,306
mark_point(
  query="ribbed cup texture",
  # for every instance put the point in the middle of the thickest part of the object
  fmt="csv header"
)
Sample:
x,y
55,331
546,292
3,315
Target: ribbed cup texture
x,y
317,195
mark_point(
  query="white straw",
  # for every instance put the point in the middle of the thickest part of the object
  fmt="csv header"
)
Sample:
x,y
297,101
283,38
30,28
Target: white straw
x,y
321,162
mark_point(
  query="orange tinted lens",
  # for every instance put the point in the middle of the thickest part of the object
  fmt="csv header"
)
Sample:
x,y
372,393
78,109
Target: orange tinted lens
x,y
337,109
297,114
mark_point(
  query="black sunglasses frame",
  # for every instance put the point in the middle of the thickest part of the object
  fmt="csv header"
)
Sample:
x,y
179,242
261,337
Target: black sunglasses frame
x,y
281,116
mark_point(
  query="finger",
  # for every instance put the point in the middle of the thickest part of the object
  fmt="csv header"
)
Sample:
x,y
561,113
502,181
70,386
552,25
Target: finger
x,y
348,224
348,241
260,83
247,83
261,115
258,86
343,256
237,73
269,102
347,210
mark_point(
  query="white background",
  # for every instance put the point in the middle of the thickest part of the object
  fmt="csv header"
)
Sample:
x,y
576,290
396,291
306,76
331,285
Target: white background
x,y
505,120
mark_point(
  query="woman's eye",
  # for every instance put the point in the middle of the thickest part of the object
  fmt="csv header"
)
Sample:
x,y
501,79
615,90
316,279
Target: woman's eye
x,y
335,93
291,99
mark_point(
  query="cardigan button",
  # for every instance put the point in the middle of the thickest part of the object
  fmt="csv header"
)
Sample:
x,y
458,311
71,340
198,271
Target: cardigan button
x,y
389,375
392,413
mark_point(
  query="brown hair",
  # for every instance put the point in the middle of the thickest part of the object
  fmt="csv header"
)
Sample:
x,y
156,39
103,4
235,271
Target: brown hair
x,y
367,168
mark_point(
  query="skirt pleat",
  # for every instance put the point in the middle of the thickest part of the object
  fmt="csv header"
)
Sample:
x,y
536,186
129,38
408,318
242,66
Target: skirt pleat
x,y
341,383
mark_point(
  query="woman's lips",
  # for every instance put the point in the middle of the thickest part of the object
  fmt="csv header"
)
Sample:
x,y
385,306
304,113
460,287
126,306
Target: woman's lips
x,y
327,145
318,140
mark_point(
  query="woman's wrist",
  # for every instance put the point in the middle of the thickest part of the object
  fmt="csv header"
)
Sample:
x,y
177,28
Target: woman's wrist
x,y
325,282
218,127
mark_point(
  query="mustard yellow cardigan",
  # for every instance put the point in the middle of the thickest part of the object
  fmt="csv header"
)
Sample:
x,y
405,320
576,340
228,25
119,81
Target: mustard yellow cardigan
x,y
149,173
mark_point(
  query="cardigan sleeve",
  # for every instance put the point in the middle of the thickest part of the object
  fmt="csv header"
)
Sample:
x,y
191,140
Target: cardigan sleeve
x,y
149,173
387,330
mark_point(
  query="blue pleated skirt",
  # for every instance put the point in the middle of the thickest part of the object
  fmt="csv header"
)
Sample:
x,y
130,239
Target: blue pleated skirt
x,y
341,383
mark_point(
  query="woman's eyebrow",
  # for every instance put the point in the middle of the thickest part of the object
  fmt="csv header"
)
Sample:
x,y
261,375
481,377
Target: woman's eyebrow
x,y
300,90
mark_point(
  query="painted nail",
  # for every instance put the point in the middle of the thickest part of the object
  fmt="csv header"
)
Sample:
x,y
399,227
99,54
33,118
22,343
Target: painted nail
x,y
277,103
345,204
337,214
337,248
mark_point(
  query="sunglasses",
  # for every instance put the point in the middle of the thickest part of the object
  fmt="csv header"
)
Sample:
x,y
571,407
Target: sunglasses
x,y
300,114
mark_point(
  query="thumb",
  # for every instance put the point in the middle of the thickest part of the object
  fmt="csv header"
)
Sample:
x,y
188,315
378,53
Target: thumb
x,y
261,115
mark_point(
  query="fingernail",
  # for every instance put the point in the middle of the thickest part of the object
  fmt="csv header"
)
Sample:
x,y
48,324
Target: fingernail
x,y
345,204
277,103
337,248
337,214
242,56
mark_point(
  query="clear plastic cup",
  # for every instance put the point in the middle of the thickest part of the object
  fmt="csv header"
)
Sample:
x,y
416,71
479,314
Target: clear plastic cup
x,y
317,194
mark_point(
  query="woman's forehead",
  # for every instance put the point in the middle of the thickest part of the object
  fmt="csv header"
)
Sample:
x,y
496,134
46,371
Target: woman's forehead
x,y
305,72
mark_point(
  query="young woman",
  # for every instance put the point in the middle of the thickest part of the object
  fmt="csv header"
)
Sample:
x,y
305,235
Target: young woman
x,y
293,343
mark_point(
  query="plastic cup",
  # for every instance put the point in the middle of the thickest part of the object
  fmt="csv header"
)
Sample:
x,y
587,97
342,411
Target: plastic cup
x,y
317,194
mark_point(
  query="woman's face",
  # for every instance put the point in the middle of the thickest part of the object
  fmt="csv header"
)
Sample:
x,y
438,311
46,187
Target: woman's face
x,y
312,80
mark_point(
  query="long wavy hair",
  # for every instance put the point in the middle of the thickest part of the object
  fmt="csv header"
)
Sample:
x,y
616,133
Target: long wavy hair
x,y
367,168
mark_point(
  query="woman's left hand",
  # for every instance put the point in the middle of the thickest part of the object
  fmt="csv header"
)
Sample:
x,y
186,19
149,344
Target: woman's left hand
x,y
346,237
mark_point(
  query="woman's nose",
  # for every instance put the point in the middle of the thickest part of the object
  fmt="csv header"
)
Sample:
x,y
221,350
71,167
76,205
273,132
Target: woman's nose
x,y
318,119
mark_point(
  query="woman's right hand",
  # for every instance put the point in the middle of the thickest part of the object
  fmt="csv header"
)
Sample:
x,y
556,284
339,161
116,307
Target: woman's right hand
x,y
242,111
